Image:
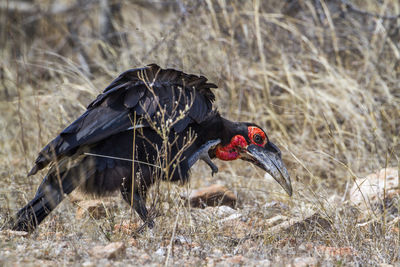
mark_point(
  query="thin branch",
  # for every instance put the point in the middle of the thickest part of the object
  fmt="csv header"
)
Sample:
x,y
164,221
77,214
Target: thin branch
x,y
118,158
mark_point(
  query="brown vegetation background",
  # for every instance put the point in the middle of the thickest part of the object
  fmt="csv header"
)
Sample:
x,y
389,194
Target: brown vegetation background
x,y
321,77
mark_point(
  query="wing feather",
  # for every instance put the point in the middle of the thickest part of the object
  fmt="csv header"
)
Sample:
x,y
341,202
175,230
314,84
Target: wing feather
x,y
145,91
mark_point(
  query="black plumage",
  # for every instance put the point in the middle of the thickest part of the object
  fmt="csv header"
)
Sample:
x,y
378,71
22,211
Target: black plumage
x,y
155,110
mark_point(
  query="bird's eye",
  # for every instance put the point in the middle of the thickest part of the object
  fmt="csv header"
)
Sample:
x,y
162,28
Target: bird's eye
x,y
257,139
257,136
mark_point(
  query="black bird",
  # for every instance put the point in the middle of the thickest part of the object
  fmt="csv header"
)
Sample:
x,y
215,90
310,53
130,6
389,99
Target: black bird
x,y
148,124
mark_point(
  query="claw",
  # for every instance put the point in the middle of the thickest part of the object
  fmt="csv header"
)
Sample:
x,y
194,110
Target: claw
x,y
206,158
202,153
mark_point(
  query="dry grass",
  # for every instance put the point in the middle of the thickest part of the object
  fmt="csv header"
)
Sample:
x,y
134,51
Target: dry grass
x,y
325,85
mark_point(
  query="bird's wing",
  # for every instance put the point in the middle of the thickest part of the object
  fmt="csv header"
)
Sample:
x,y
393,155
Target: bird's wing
x,y
154,95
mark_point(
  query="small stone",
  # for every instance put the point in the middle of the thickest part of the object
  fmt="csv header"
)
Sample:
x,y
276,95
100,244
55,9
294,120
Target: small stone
x,y
125,227
132,242
301,224
214,195
288,241
217,253
265,262
304,262
160,252
236,228
10,233
375,189
96,209
109,251
337,251
88,264
276,220
235,259
145,258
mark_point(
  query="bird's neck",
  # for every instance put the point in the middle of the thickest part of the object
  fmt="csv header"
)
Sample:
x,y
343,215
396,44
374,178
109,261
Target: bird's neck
x,y
218,127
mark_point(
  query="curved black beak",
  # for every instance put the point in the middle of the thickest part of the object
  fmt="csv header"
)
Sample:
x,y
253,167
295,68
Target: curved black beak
x,y
269,159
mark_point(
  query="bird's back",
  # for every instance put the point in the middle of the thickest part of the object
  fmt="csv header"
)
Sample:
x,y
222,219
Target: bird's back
x,y
144,97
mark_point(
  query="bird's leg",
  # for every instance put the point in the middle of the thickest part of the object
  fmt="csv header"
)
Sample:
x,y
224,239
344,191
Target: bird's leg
x,y
202,153
140,207
139,204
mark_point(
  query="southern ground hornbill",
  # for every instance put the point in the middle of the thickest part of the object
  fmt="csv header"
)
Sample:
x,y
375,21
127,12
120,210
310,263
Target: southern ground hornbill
x,y
148,124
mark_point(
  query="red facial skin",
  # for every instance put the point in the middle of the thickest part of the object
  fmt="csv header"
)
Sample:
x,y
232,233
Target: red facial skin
x,y
231,150
255,130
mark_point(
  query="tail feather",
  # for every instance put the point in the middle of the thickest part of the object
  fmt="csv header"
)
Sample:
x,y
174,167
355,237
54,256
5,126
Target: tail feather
x,y
50,193
35,211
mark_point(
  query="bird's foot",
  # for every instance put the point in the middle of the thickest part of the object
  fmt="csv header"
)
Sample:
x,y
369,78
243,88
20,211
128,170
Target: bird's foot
x,y
147,224
214,168
202,153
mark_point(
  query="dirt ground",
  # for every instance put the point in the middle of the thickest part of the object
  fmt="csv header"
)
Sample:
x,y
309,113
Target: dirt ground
x,y
322,77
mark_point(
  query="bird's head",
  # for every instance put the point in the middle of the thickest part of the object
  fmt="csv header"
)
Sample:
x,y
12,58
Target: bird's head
x,y
250,143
